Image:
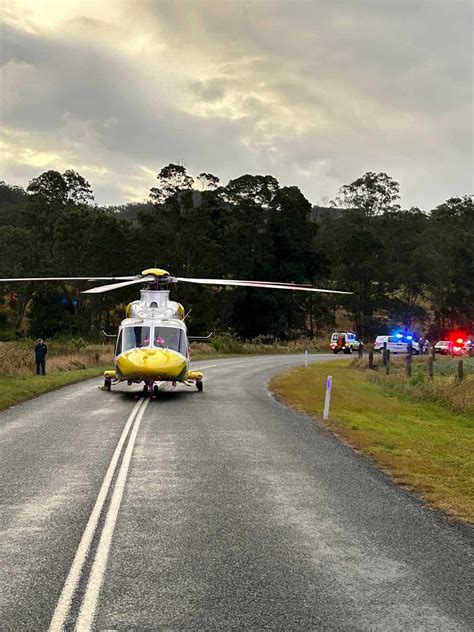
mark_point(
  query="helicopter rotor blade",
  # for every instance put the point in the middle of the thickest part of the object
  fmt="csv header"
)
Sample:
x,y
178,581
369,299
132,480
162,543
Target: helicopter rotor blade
x,y
115,286
260,284
87,278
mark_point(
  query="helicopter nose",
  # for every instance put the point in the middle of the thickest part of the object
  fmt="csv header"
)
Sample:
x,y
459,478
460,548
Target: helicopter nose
x,y
159,364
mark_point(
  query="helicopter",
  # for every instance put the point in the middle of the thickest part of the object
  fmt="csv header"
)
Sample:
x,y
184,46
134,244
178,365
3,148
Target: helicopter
x,y
152,341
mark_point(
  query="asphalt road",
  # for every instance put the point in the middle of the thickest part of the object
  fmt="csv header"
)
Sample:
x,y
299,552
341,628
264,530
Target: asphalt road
x,y
210,511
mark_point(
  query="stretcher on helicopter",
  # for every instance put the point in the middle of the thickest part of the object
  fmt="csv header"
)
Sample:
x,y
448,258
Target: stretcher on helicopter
x,y
152,341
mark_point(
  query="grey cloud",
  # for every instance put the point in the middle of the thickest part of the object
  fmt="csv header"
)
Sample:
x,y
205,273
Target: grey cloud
x,y
323,92
209,90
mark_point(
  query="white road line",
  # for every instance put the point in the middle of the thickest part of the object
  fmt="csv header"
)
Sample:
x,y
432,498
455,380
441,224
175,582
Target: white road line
x,y
64,603
269,358
212,366
96,577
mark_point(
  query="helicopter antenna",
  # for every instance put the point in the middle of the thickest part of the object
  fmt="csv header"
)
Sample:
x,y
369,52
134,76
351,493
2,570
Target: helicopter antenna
x,y
187,313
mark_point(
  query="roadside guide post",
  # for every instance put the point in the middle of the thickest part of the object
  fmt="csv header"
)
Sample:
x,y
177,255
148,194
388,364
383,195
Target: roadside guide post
x,y
384,353
327,400
460,371
360,351
387,361
306,357
371,358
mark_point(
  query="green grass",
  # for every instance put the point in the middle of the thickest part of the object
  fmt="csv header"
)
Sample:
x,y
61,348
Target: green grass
x,y
422,445
14,390
444,389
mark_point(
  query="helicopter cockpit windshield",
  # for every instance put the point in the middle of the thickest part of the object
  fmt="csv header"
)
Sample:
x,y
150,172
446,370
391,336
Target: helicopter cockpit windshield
x,y
134,337
162,337
170,338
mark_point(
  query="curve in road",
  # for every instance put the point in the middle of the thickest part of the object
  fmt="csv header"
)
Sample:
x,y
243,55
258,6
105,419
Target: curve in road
x,y
223,510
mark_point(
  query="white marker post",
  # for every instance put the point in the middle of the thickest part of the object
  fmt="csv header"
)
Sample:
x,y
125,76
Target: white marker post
x,y
327,401
306,357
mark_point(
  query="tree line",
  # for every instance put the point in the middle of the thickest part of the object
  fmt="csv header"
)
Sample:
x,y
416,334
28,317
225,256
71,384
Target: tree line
x,y
406,267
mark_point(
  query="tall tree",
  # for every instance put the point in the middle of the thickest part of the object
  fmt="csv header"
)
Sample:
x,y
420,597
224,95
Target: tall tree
x,y
67,188
207,181
450,259
171,180
373,193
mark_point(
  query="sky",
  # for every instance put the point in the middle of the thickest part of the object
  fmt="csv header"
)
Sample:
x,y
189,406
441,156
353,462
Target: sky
x,y
315,93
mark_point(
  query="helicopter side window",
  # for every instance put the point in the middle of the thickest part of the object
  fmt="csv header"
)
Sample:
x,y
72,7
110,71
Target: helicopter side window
x,y
169,338
118,346
134,337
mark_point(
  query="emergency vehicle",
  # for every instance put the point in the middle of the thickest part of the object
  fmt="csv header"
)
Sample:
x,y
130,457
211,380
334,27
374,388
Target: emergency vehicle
x,y
345,341
397,344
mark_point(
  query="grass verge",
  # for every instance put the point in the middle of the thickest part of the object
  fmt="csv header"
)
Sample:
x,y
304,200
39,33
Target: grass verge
x,y
444,389
16,389
420,444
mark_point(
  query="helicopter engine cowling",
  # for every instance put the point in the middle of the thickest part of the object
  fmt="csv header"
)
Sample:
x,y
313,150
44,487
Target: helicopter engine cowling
x,y
155,304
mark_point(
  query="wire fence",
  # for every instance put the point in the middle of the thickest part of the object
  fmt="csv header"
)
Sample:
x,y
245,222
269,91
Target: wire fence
x,y
446,380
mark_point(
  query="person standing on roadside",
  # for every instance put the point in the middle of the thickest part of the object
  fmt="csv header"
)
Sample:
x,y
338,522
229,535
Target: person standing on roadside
x,y
40,357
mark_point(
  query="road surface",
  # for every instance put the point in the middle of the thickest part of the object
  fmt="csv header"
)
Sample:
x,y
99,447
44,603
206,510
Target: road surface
x,y
212,511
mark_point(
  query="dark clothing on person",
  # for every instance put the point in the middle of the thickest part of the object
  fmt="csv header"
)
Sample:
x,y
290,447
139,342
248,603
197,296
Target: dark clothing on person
x,y
40,357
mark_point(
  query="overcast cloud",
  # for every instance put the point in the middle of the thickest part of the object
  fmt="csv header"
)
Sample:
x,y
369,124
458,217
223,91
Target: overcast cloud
x,y
314,93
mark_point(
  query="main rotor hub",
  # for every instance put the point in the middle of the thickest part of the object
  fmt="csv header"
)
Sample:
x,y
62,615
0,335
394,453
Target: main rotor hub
x,y
161,278
156,272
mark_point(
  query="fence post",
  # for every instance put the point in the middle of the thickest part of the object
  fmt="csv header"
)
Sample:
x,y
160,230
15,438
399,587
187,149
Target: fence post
x,y
433,353
371,358
387,361
306,357
360,351
430,368
384,353
460,371
408,364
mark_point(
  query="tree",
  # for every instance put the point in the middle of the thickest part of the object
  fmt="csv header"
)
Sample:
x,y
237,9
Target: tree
x,y
405,266
257,190
17,259
11,195
67,188
207,181
51,313
171,180
355,253
373,193
450,260
51,195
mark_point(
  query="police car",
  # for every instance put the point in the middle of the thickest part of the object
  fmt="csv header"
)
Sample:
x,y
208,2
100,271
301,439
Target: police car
x,y
397,344
345,341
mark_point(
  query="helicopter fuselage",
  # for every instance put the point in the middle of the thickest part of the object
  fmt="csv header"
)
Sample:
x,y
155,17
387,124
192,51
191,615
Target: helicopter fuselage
x,y
152,342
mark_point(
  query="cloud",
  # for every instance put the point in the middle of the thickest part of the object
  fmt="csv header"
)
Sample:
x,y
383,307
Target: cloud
x,y
315,93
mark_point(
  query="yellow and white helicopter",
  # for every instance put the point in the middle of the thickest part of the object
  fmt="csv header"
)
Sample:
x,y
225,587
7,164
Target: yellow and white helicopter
x,y
152,341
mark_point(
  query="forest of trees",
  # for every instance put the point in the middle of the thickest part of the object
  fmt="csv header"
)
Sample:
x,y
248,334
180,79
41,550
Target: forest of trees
x,y
406,267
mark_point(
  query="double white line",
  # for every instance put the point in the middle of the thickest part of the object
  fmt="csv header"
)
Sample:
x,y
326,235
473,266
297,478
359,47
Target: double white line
x,y
96,576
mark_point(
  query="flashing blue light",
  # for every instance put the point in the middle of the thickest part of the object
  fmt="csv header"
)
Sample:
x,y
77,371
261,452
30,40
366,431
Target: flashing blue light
x,y
399,335
409,337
